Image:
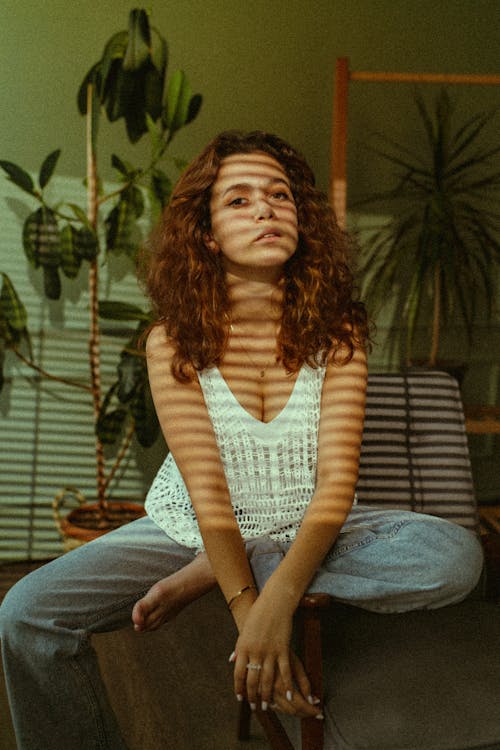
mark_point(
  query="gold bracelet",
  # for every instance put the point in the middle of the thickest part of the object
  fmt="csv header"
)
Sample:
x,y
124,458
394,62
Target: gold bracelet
x,y
240,592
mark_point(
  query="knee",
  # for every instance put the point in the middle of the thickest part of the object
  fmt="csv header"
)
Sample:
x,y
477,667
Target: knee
x,y
456,559
13,608
20,607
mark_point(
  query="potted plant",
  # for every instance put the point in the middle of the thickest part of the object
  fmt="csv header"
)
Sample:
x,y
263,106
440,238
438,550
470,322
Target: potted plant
x,y
129,82
434,260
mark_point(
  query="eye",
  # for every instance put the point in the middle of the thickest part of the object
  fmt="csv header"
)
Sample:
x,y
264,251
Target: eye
x,y
282,195
237,202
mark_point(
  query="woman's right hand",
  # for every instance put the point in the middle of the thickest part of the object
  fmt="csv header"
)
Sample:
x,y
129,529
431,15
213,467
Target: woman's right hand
x,y
301,703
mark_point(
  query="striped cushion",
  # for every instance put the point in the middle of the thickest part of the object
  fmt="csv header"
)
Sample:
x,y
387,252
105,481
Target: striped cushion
x,y
415,454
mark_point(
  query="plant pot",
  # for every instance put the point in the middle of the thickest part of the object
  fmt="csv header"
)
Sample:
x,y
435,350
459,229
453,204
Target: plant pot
x,y
87,521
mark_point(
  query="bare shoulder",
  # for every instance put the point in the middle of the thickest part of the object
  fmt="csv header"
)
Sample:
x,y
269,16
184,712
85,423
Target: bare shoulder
x,y
158,343
355,366
160,354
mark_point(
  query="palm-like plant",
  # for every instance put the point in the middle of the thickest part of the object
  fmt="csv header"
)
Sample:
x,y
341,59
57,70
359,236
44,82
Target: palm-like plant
x,y
129,82
439,250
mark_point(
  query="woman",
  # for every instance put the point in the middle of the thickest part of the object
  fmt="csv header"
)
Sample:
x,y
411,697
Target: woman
x,y
258,372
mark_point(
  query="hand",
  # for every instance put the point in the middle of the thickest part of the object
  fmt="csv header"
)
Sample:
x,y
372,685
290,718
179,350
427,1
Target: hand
x,y
301,703
298,702
266,670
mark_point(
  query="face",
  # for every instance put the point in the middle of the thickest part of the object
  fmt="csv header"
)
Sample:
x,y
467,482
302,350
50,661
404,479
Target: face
x,y
253,216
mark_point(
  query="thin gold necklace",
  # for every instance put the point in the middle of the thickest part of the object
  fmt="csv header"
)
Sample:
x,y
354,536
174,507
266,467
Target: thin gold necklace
x,y
261,370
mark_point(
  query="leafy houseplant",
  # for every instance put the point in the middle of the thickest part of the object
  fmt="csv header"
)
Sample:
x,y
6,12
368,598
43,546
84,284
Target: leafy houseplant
x,y
438,252
129,82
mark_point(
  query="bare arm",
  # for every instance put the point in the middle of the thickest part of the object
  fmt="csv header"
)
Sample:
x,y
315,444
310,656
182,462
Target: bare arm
x,y
264,623
266,634
188,431
339,444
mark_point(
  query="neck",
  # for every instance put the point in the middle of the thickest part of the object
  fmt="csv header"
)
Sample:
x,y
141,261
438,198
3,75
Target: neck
x,y
254,299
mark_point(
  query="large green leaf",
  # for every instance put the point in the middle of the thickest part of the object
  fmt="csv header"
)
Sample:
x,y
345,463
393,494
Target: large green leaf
x,y
177,101
94,78
139,40
118,91
80,214
119,225
111,419
114,52
153,93
159,52
131,374
48,166
70,260
18,176
161,187
41,238
147,426
114,310
144,96
194,108
85,243
121,222
124,168
12,309
51,282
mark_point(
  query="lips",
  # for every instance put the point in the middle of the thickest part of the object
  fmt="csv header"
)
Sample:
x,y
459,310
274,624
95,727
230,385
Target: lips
x,y
268,235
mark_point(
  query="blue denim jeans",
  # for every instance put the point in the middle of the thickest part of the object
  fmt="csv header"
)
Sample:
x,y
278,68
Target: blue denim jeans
x,y
385,561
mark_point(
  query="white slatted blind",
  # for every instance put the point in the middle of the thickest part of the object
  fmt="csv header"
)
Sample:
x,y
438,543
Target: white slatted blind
x,y
46,434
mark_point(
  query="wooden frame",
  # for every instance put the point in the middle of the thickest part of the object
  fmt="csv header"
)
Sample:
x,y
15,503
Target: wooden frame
x,y
343,76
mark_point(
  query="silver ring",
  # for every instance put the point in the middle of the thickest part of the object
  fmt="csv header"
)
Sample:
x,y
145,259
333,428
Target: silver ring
x,y
258,667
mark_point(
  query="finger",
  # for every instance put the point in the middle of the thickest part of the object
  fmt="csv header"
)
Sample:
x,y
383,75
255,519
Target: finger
x,y
240,674
253,669
283,706
296,707
286,676
301,680
267,683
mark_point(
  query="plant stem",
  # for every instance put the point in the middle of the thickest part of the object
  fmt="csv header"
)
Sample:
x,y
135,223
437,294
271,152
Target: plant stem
x,y
116,192
436,315
48,375
94,338
121,454
139,175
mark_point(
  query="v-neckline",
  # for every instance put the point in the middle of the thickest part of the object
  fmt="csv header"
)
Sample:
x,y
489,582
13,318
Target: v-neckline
x,y
247,413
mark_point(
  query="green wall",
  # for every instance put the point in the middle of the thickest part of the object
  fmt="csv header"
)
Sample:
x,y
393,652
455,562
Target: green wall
x,y
265,64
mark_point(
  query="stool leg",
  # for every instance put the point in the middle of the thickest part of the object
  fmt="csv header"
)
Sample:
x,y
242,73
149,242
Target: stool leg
x,y
312,730
244,721
274,730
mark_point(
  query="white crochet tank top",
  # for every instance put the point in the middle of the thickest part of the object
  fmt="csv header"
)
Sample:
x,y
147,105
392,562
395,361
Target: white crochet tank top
x,y
270,467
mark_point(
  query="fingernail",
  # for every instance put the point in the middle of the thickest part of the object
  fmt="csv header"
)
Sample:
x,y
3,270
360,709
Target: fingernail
x,y
232,657
319,716
239,697
253,706
289,695
264,705
313,700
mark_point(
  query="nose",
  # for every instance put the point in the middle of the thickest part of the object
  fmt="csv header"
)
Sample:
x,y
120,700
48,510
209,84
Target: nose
x,y
263,210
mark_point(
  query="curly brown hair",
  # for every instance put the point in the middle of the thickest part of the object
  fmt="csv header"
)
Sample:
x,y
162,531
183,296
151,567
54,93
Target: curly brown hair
x,y
186,281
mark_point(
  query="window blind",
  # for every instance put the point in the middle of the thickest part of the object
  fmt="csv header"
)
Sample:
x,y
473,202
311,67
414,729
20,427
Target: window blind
x,y
46,431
